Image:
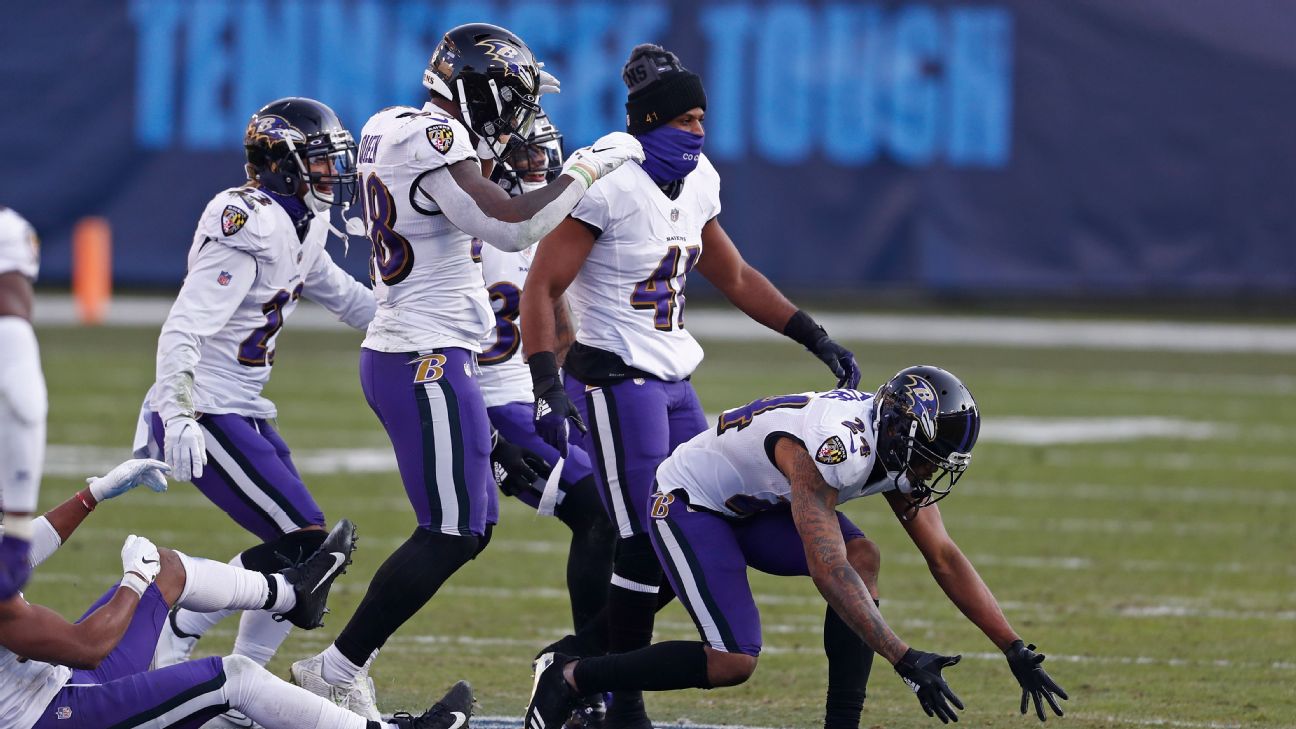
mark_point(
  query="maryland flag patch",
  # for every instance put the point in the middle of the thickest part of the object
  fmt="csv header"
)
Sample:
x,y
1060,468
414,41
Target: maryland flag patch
x,y
832,452
441,136
232,219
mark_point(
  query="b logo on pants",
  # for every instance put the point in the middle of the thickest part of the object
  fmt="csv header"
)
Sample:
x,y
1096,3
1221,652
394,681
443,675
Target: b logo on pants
x,y
661,505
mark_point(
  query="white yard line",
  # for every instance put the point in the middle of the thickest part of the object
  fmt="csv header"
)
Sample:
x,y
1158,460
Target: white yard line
x,y
723,324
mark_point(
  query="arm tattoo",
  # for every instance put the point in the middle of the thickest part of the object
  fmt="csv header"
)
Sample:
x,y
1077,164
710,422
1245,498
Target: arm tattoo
x,y
837,580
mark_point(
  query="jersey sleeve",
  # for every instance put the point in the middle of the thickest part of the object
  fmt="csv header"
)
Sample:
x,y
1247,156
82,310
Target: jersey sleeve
x,y
328,285
243,220
836,449
219,278
431,142
594,209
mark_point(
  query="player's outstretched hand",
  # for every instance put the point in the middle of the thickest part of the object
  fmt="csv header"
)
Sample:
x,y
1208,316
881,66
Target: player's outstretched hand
x,y
140,563
1035,682
128,475
184,448
609,152
839,359
922,671
515,467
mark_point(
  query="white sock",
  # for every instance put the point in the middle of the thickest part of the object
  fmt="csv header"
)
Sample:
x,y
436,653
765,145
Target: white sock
x,y
276,704
260,635
337,668
212,586
197,624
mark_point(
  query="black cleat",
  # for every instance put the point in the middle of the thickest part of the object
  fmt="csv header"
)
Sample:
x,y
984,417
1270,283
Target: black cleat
x,y
552,700
627,712
312,578
451,712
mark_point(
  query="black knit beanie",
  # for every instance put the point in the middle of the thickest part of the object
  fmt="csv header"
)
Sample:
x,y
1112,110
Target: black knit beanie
x,y
660,88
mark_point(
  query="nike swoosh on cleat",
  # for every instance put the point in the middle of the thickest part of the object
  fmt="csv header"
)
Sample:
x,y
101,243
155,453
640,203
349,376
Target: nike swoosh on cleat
x,y
149,561
460,719
338,560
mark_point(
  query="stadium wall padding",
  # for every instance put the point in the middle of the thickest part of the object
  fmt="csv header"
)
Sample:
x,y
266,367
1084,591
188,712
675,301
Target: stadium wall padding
x,y
1087,147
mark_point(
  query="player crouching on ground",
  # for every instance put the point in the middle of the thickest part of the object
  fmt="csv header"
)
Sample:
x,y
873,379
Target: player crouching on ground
x,y
94,673
768,479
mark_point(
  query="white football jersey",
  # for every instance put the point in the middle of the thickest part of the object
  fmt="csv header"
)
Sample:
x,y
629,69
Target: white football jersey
x,y
19,246
629,294
247,269
430,293
730,468
505,377
26,688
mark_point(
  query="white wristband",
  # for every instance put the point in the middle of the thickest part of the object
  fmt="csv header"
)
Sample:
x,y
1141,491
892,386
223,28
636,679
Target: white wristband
x,y
134,582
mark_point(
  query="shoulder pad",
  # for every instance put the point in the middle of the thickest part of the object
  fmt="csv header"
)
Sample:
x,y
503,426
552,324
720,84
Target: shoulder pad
x,y
243,218
430,138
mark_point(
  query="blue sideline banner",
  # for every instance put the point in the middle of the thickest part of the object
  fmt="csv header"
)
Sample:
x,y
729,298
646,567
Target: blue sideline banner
x,y
1087,147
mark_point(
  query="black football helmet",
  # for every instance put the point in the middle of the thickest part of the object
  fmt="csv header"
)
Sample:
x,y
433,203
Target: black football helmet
x,y
927,423
282,140
493,77
533,161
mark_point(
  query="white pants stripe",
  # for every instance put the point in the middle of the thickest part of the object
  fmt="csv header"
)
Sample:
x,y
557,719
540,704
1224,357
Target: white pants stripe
x,y
244,483
444,442
612,470
691,592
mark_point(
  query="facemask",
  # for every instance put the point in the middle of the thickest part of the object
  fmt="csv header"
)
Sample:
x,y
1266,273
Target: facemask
x,y
670,153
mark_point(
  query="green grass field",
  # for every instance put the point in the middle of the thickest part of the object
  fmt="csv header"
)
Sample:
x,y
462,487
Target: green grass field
x,y
1159,574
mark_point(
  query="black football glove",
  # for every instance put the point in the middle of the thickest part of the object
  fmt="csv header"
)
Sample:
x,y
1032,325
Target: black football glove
x,y
922,671
552,406
1035,682
803,330
839,359
515,467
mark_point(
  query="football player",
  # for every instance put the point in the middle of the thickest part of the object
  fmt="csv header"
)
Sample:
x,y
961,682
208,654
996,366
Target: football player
x,y
425,200
94,673
761,490
506,388
625,252
257,250
23,404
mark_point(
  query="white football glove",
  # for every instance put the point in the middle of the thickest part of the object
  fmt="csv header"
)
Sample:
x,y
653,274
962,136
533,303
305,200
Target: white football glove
x,y
549,84
140,563
588,164
128,475
185,449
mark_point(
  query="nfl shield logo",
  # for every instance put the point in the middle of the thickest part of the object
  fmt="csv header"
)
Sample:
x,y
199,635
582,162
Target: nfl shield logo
x,y
674,215
224,278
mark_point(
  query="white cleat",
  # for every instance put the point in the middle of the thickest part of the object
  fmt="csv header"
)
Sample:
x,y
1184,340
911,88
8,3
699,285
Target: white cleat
x,y
358,697
231,720
173,646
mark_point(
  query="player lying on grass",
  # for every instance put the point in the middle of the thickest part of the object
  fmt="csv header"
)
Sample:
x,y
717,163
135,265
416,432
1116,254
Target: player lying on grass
x,y
94,673
761,490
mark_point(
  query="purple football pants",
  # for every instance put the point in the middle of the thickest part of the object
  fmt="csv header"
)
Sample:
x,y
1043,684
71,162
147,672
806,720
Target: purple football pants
x,y
706,556
431,405
123,693
250,476
633,426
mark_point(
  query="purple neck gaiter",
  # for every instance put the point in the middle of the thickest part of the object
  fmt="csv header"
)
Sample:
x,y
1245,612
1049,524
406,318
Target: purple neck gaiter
x,y
670,153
